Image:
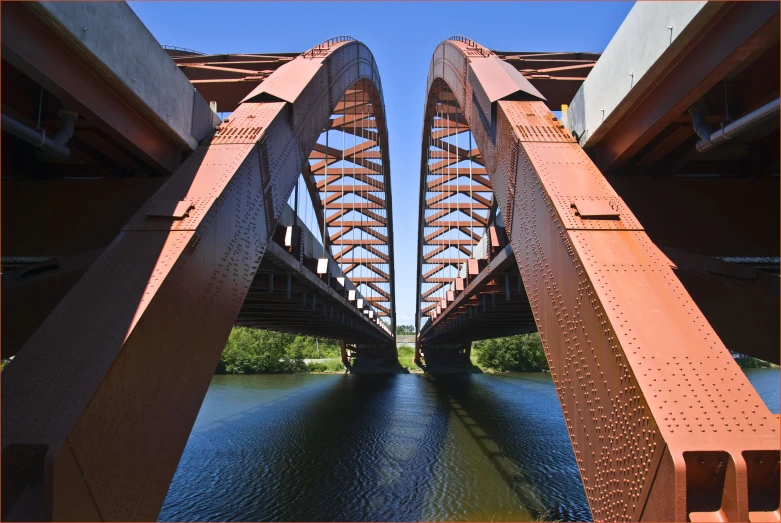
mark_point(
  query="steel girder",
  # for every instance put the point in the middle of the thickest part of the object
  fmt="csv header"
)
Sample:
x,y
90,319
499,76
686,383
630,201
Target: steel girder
x,y
456,203
225,79
31,44
736,31
99,403
664,424
557,75
347,177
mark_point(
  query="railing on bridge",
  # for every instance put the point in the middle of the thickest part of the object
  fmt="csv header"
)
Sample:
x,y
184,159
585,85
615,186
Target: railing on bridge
x,y
471,44
323,48
183,49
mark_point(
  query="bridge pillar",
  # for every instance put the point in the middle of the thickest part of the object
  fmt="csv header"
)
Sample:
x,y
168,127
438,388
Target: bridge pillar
x,y
417,360
343,353
447,357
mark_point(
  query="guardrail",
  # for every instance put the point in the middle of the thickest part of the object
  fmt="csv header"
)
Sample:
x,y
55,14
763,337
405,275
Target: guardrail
x,y
322,48
175,48
471,44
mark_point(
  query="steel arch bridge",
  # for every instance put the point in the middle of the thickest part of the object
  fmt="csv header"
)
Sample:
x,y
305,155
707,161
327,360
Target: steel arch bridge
x,y
520,232
221,242
280,217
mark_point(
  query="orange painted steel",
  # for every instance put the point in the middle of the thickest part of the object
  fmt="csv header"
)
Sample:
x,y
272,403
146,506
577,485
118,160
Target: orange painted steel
x,y
99,403
456,200
349,181
664,424
227,78
348,177
558,75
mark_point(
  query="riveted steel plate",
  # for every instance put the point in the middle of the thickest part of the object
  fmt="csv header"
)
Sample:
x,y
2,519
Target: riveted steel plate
x,y
650,396
169,209
594,209
535,123
113,379
246,123
569,175
200,181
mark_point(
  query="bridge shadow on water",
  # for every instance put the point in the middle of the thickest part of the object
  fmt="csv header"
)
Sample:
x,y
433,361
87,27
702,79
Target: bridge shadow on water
x,y
338,448
516,422
378,448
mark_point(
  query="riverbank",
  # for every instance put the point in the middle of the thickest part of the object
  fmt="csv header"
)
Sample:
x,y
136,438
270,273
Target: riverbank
x,y
255,351
749,362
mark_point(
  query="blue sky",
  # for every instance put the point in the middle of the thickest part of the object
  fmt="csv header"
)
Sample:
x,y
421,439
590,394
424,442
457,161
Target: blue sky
x,y
402,37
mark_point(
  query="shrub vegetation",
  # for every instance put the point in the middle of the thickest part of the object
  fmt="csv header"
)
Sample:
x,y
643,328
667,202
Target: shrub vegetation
x,y
521,353
750,362
257,351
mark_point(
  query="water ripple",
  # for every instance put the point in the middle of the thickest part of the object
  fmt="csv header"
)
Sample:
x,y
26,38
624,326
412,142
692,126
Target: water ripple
x,y
382,448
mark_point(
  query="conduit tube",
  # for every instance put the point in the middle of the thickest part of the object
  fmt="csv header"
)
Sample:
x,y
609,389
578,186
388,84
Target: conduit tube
x,y
710,139
54,144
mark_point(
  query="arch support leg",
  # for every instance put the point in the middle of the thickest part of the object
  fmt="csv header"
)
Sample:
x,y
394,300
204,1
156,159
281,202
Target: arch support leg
x,y
99,403
653,401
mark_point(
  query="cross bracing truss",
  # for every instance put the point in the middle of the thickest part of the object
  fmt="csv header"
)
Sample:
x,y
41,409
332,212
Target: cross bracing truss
x,y
457,205
348,180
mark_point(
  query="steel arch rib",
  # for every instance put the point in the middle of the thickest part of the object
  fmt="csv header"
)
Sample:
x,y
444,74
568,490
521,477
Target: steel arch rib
x,y
654,403
353,199
108,388
455,203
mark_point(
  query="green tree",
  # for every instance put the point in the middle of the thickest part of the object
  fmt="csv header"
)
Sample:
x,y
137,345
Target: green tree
x,y
521,353
750,362
253,351
257,351
405,329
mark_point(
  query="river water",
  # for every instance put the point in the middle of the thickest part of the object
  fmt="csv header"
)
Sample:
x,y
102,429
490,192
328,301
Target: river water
x,y
481,447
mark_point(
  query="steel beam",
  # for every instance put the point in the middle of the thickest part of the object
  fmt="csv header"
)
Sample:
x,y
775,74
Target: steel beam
x,y
664,424
99,403
740,30
455,324
39,52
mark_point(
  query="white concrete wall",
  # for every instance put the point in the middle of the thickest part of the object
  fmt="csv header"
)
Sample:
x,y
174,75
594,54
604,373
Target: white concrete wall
x,y
114,37
650,32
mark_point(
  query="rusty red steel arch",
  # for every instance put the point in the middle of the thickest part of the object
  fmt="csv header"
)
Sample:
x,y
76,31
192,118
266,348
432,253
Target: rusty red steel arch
x,y
100,402
664,425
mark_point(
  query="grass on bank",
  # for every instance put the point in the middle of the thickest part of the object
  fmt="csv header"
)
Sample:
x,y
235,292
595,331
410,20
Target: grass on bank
x,y
333,365
407,356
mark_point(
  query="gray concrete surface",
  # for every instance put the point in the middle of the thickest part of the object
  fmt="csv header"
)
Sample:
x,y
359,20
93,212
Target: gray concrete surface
x,y
112,37
651,35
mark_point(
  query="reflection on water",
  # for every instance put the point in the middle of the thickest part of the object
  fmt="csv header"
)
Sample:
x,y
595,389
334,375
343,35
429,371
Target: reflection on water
x,y
384,448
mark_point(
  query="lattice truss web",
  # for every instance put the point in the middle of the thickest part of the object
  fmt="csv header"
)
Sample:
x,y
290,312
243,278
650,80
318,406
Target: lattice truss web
x,y
458,201
345,177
